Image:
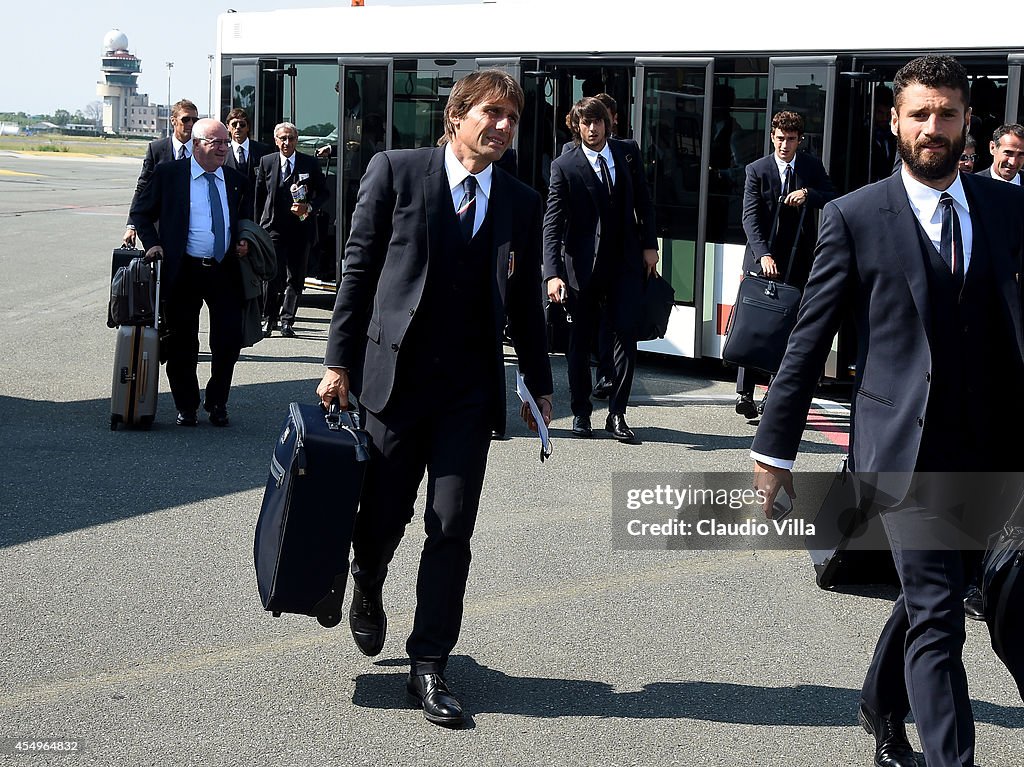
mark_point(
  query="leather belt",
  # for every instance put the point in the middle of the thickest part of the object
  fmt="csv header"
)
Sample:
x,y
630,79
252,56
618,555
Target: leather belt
x,y
208,261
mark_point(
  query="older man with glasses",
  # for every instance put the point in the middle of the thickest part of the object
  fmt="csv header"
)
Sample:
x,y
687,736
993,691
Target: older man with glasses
x,y
188,215
177,146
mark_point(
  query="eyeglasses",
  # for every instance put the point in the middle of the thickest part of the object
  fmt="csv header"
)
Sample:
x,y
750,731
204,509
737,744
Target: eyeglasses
x,y
187,119
286,138
968,157
214,141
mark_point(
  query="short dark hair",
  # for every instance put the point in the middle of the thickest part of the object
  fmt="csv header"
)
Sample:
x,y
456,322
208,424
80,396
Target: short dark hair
x,y
237,114
476,88
933,72
787,122
1015,129
590,108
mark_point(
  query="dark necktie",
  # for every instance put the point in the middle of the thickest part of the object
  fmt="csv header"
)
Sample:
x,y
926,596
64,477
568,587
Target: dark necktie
x,y
287,169
217,214
241,156
606,174
951,245
467,208
181,153
787,185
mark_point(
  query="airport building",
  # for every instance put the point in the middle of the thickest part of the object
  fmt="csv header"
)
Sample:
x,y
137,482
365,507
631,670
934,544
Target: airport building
x,y
125,110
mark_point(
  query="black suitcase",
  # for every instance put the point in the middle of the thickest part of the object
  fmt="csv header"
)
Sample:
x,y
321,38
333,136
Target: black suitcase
x,y
133,295
849,546
305,525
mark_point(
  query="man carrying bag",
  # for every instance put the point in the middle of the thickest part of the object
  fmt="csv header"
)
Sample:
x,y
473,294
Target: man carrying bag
x,y
776,194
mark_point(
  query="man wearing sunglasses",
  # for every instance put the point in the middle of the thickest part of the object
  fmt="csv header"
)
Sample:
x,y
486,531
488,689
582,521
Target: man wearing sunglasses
x,y
177,146
246,153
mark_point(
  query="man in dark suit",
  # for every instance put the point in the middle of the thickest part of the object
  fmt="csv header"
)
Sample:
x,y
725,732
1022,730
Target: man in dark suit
x,y
779,192
177,146
926,260
244,154
444,247
289,188
605,341
599,245
188,215
1007,149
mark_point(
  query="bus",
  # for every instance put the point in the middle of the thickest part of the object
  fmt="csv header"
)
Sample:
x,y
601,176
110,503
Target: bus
x,y
696,86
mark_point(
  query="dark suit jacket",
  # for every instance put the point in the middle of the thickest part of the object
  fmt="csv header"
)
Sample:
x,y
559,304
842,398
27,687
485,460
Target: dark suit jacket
x,y
870,263
160,213
396,234
268,176
761,192
576,203
159,151
257,151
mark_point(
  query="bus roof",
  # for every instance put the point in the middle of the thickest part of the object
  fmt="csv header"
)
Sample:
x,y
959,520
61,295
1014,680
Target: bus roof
x,y
633,27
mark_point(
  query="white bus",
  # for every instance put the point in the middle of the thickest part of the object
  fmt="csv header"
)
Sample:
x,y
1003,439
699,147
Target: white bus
x,y
696,86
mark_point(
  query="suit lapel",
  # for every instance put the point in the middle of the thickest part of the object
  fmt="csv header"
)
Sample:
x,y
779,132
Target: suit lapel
x,y
275,178
586,171
904,232
499,208
436,193
774,180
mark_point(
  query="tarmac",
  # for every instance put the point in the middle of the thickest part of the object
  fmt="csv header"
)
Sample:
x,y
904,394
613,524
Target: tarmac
x,y
133,626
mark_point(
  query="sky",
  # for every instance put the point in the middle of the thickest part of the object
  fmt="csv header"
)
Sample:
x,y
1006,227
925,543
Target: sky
x,y
52,50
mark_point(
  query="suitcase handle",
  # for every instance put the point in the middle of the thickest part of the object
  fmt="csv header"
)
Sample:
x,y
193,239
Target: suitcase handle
x,y
348,421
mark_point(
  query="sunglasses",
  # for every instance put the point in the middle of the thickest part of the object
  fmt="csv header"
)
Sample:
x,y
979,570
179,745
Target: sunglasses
x,y
968,157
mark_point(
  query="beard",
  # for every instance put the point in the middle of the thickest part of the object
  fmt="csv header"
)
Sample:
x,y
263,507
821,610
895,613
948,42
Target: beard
x,y
933,167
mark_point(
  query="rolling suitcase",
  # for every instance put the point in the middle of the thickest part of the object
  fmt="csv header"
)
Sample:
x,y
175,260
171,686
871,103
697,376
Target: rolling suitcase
x,y
309,507
136,378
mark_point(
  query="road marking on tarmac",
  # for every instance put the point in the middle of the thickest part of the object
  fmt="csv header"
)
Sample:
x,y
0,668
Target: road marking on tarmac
x,y
5,172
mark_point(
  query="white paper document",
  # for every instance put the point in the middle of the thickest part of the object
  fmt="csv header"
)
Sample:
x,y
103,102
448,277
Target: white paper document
x,y
542,428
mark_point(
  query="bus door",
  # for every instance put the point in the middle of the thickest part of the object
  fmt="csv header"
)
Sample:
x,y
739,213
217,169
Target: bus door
x,y
257,87
672,124
365,118
807,86
1014,96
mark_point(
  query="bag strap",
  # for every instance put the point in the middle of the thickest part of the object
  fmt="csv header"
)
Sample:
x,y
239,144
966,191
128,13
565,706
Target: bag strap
x,y
796,242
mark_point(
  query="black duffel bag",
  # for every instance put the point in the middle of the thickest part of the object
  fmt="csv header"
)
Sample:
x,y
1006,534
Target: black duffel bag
x,y
658,300
1002,591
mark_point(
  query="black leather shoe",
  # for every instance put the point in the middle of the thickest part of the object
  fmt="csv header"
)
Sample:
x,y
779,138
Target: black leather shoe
x,y
746,406
286,330
616,424
439,705
187,418
892,749
581,426
603,388
367,621
497,435
974,607
218,415
268,328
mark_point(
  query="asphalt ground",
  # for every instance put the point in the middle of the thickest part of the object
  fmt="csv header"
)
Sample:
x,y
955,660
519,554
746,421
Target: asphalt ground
x,y
132,623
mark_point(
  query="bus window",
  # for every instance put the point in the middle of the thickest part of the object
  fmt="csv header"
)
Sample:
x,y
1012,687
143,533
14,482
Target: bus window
x,y
421,88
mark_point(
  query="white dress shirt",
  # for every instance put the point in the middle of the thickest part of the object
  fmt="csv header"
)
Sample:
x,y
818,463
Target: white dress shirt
x,y
457,173
606,153
200,222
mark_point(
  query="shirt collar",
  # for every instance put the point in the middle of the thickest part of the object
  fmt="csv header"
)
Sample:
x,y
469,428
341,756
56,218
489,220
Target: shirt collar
x,y
457,173
235,145
926,200
605,152
287,159
782,163
177,145
197,170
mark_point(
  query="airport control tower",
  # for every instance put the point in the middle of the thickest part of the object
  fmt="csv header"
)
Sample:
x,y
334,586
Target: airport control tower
x,y
125,110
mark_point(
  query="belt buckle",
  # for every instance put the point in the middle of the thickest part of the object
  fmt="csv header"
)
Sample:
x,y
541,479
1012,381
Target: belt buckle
x,y
209,261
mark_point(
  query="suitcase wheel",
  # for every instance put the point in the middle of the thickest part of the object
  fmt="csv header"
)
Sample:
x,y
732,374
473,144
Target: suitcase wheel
x,y
328,621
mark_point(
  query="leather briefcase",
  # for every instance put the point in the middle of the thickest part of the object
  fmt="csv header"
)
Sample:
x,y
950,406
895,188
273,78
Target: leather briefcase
x,y
658,300
760,323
